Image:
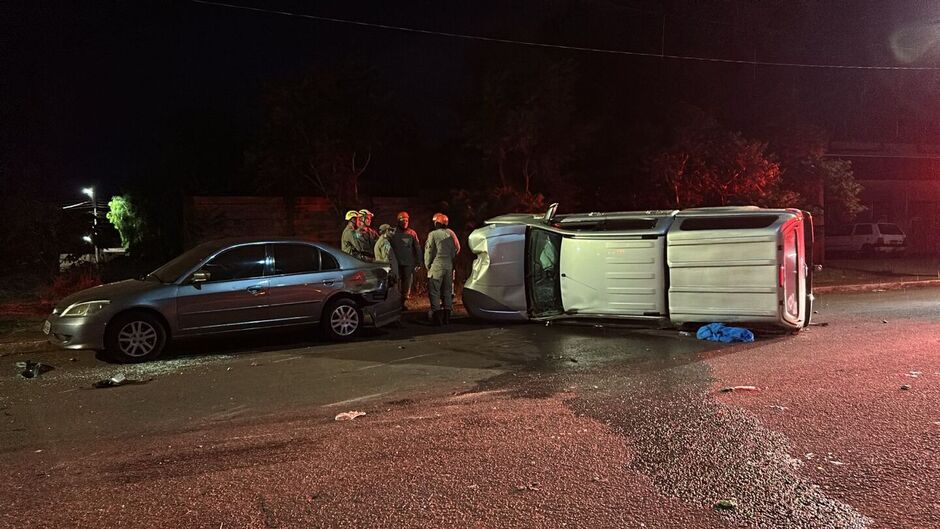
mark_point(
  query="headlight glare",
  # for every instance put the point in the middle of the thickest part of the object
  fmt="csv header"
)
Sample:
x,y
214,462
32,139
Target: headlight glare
x,y
85,308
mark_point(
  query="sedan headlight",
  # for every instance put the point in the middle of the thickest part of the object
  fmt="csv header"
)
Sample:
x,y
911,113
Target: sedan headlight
x,y
85,308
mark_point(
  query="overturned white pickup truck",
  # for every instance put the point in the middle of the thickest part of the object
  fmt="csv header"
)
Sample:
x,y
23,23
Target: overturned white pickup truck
x,y
728,264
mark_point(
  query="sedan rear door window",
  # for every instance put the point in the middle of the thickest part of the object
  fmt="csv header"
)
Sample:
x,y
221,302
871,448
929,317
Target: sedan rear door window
x,y
295,259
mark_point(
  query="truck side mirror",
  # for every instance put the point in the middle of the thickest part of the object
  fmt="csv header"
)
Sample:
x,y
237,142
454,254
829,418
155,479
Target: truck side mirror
x,y
550,214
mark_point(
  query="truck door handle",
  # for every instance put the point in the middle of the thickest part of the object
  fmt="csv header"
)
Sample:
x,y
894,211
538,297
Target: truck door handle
x,y
256,291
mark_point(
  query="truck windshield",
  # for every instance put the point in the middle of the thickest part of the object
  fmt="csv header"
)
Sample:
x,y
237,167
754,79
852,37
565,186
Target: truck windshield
x,y
544,282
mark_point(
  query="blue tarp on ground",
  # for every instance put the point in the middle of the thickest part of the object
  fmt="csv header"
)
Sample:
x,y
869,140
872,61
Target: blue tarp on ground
x,y
719,332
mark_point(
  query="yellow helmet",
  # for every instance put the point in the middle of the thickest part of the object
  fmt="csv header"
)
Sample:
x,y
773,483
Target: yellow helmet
x,y
351,214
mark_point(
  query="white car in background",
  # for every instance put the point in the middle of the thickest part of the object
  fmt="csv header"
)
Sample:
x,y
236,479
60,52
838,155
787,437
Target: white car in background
x,y
866,238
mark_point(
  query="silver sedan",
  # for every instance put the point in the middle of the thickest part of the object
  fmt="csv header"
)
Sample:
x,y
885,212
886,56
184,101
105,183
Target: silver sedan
x,y
227,286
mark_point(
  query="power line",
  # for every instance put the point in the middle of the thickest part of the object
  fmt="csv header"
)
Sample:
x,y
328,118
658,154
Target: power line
x,y
564,47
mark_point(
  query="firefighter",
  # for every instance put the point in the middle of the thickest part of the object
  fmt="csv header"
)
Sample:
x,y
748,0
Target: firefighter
x,y
383,250
439,255
365,227
352,241
407,247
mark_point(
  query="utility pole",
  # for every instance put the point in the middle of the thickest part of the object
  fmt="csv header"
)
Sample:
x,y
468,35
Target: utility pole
x,y
90,191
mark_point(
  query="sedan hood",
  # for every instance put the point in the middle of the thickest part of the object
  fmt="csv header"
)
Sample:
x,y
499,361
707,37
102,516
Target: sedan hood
x,y
109,291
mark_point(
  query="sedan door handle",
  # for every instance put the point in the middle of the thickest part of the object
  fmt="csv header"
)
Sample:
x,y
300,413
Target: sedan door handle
x,y
329,282
256,291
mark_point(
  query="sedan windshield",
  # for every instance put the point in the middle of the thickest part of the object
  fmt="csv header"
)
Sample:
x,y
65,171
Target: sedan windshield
x,y
171,271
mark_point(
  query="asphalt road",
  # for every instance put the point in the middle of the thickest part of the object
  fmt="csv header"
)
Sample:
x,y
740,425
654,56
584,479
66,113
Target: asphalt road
x,y
488,426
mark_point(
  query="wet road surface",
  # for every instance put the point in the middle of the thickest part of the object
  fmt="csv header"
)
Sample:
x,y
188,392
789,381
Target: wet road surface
x,y
516,426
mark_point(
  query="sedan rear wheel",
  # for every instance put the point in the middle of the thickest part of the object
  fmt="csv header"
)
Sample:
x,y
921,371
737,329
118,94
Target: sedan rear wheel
x,y
135,337
343,320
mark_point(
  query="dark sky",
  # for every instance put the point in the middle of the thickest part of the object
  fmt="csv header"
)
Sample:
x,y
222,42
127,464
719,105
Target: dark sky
x,y
92,90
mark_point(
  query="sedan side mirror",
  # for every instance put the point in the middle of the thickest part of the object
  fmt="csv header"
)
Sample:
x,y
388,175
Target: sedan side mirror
x,y
200,277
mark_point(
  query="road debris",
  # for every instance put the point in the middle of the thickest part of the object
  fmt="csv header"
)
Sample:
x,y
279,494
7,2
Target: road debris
x,y
819,324
348,415
528,486
913,374
727,504
879,290
884,321
906,387
685,333
778,407
729,389
32,369
117,380
719,332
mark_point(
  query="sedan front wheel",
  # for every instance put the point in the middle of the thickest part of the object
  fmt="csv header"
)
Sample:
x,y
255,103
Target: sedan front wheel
x,y
135,337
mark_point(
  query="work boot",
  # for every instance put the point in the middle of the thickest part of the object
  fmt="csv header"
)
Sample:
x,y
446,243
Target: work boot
x,y
437,318
446,317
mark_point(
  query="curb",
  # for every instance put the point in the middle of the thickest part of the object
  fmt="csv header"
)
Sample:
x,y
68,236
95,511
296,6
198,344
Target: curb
x,y
868,287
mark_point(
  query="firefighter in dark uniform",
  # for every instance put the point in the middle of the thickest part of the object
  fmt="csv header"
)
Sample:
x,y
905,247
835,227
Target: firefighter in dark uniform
x,y
407,247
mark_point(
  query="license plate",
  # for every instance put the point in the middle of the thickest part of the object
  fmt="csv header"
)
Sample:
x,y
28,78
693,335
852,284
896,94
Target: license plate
x,y
46,327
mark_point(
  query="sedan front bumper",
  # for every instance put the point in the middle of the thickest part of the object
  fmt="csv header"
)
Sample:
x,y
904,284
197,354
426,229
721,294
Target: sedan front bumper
x,y
83,332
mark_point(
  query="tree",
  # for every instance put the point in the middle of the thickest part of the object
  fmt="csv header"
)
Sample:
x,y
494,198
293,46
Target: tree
x,y
707,165
823,183
128,222
320,135
524,123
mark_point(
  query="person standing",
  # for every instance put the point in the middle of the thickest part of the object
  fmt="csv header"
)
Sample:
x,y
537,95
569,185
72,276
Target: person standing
x,y
383,250
439,255
369,235
407,247
352,241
